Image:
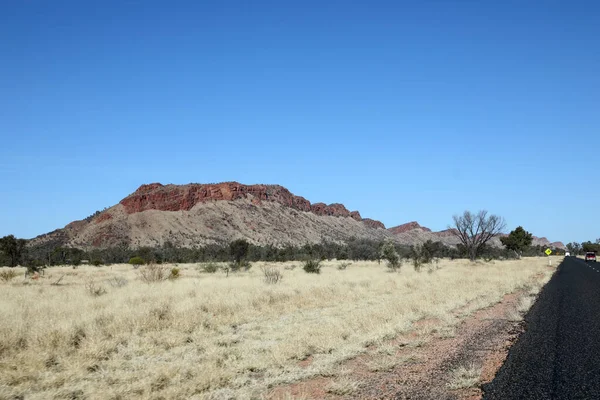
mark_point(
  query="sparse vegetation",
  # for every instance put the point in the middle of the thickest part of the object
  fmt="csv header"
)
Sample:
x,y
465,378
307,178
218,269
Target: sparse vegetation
x,y
152,273
209,268
465,377
207,335
7,275
344,265
272,274
118,282
343,386
242,265
382,363
312,266
94,289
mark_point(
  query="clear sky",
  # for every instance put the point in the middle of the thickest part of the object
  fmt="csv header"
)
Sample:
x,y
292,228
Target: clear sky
x,y
401,110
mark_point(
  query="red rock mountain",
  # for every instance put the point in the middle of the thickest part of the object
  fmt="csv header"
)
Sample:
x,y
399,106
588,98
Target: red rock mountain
x,y
183,197
197,214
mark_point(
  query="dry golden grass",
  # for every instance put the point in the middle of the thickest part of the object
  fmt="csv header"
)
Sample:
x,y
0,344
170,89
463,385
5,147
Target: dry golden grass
x,y
465,377
208,336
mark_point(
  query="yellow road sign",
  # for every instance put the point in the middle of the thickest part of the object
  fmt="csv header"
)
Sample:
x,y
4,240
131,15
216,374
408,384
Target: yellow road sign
x,y
548,252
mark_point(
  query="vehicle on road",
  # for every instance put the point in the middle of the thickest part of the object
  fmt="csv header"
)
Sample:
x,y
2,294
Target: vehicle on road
x,y
590,256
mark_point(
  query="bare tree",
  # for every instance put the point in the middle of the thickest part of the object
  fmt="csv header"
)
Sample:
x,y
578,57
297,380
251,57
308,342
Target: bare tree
x,y
475,230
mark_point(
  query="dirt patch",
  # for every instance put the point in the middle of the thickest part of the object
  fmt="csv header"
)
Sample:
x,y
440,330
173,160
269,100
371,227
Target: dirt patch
x,y
421,366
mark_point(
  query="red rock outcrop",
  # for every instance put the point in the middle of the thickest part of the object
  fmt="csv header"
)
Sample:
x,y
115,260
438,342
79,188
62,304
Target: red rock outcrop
x,y
156,196
373,223
407,227
356,215
335,210
183,197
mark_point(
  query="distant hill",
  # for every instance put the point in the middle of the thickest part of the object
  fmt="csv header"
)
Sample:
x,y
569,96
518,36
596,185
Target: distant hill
x,y
199,214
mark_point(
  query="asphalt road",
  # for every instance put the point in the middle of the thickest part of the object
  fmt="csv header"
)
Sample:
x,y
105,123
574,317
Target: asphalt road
x,y
558,356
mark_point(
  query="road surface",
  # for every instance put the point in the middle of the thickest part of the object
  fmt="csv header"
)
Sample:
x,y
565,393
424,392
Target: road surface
x,y
558,356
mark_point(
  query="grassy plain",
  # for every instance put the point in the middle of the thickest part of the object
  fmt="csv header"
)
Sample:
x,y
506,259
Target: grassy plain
x,y
102,333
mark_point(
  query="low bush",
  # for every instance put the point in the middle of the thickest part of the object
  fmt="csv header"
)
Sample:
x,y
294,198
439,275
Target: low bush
x,y
137,261
153,273
272,274
175,273
209,268
343,266
117,282
7,275
312,266
236,266
96,263
94,289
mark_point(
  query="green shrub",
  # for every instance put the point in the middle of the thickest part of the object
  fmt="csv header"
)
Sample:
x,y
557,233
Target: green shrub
x,y
389,253
210,268
136,261
312,266
96,263
175,273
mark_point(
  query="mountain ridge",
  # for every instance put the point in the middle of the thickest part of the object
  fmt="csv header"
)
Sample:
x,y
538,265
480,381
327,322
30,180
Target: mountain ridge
x,y
197,214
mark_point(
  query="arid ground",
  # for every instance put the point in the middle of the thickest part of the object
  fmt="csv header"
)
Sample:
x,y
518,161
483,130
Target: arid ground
x,y
103,333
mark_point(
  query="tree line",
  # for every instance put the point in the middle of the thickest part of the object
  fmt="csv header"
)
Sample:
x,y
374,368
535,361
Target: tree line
x,y
474,231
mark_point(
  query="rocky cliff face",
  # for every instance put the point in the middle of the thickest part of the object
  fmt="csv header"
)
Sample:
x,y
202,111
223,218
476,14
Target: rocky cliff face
x,y
156,196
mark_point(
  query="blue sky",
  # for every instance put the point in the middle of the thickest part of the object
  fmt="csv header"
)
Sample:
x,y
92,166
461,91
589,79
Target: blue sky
x,y
401,110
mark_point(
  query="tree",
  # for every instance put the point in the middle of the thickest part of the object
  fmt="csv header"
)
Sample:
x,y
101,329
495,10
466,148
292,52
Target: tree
x,y
590,247
13,248
238,250
517,241
574,248
475,230
389,253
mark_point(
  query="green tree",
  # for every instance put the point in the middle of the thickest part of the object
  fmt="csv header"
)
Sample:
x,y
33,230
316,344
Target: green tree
x,y
518,240
13,249
589,246
389,253
137,260
574,248
238,249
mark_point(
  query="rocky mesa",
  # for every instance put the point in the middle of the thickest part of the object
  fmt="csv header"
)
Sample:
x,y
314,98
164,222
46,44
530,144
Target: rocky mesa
x,y
197,214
